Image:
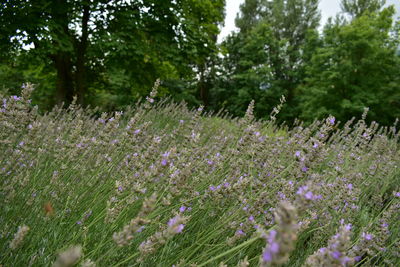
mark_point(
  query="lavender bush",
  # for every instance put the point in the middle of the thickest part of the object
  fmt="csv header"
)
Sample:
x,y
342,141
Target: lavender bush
x,y
162,185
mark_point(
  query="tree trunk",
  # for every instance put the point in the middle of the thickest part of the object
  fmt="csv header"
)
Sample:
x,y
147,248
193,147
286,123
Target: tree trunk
x,y
80,74
203,88
62,47
64,84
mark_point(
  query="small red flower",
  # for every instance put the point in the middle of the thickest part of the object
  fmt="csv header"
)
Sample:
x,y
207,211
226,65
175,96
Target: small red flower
x,y
48,209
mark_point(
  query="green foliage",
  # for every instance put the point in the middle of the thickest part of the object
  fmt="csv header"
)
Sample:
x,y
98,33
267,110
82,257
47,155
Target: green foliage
x,y
356,67
110,51
17,69
357,8
266,58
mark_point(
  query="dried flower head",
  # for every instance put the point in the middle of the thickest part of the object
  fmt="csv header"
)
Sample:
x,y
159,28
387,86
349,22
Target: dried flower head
x,y
68,257
19,237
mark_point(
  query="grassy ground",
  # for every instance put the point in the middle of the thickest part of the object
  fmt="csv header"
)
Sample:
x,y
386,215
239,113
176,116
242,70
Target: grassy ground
x,y
161,185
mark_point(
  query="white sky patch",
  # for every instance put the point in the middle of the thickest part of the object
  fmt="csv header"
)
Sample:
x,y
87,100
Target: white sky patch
x,y
328,8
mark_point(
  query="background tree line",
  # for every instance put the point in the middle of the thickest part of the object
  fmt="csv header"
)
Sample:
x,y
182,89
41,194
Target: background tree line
x,y
109,53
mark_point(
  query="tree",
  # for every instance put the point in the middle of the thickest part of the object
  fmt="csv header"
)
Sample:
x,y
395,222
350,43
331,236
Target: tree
x,y
112,44
356,8
356,67
266,58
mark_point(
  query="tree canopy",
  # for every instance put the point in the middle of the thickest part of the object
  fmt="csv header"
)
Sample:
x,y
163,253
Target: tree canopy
x,y
112,47
266,58
109,53
355,67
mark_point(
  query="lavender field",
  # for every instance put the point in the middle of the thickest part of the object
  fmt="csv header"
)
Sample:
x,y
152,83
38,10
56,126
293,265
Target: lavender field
x,y
162,185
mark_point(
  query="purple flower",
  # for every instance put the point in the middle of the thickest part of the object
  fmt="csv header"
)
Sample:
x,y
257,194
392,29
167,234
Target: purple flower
x,y
164,162
322,250
348,227
272,235
350,186
397,194
136,131
240,232
301,190
332,120
212,188
367,236
182,209
272,247
344,261
297,154
309,195
357,258
251,218
336,254
304,169
172,221
267,256
78,222
315,145
179,228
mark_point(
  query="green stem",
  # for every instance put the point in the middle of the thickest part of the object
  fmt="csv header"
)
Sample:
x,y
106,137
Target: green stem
x,y
244,244
127,259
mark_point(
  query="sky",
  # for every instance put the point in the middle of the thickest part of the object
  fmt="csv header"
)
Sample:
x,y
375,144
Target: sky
x,y
328,8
